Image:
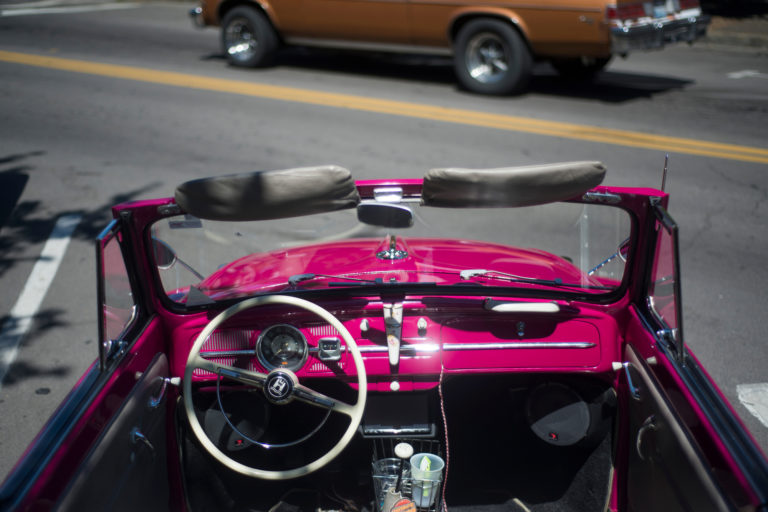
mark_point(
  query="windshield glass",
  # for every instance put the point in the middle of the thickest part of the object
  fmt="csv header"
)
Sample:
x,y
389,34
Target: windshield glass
x,y
566,247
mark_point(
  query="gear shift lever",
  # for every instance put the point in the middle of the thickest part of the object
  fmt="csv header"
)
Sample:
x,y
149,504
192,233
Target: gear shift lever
x,y
403,451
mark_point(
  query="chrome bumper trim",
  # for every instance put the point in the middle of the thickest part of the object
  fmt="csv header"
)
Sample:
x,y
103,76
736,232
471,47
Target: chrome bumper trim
x,y
657,34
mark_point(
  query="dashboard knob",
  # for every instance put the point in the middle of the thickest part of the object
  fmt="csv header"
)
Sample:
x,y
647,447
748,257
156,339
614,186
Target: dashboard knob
x,y
421,325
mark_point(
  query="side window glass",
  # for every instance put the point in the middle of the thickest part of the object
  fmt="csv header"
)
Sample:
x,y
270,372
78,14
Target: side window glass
x,y
664,297
117,307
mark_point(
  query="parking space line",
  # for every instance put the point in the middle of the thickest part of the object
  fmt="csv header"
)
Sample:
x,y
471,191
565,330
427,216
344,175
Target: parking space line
x,y
667,144
755,398
23,312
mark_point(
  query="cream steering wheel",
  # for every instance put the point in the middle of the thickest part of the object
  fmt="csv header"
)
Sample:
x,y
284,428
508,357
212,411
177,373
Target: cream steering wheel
x,y
280,386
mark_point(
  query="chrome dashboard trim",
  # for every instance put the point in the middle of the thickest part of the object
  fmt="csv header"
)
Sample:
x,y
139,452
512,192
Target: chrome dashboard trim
x,y
227,353
429,348
519,345
315,350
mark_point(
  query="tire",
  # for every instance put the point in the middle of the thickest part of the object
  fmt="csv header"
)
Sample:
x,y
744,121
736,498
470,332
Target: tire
x,y
580,68
248,38
491,57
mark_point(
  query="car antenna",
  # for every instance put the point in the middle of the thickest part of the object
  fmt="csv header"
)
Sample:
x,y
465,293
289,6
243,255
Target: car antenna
x,y
664,173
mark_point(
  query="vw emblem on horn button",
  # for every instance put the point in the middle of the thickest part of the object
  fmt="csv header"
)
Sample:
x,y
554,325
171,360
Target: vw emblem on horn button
x,y
278,387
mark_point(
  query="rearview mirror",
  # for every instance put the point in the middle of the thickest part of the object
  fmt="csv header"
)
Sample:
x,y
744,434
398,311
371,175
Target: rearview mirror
x,y
385,215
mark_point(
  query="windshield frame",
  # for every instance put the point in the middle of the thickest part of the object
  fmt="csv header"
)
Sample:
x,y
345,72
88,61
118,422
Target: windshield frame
x,y
413,290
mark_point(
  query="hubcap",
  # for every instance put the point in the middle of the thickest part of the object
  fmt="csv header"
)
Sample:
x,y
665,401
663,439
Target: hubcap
x,y
486,60
240,40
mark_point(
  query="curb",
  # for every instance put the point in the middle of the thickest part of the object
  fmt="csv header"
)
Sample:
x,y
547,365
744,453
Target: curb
x,y
750,32
737,40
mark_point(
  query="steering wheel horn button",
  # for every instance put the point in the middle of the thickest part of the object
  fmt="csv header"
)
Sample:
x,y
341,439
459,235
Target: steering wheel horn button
x,y
279,386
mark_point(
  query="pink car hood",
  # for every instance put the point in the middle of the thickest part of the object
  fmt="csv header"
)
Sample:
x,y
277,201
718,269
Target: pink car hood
x,y
423,260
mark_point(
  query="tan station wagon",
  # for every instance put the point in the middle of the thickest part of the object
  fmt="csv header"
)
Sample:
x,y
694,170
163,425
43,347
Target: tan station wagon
x,y
494,43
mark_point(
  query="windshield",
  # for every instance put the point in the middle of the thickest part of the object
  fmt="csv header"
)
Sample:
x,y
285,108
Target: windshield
x,y
567,247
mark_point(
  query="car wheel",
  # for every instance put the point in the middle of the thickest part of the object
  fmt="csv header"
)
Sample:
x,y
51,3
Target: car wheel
x,y
580,68
491,57
248,38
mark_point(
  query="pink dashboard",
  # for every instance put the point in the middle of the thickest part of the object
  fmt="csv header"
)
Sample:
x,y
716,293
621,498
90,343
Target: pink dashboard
x,y
454,336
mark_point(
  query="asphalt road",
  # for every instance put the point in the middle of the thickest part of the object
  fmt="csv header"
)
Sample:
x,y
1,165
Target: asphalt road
x,y
77,136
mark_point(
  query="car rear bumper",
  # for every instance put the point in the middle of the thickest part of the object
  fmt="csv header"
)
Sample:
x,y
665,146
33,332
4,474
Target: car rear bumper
x,y
657,33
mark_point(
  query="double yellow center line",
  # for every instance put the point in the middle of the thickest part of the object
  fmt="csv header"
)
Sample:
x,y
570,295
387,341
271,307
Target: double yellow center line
x,y
400,108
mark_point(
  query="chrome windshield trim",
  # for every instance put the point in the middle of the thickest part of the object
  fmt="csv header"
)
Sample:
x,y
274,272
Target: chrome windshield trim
x,y
519,345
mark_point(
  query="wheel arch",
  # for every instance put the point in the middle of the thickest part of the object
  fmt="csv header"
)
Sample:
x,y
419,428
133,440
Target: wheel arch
x,y
509,17
265,8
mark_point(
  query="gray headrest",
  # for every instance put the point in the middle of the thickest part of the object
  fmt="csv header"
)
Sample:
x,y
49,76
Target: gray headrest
x,y
264,195
510,186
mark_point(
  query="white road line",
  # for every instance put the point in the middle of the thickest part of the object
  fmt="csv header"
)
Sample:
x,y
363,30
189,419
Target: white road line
x,y
64,9
23,312
747,73
755,399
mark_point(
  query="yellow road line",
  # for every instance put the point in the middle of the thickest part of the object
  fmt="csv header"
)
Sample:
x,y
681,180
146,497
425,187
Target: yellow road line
x,y
400,108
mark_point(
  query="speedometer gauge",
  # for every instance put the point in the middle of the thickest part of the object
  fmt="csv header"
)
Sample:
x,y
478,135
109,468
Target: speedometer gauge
x,y
282,346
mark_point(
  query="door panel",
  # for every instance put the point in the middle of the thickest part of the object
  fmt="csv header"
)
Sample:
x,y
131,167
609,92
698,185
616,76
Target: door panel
x,y
80,455
685,449
105,446
666,470
127,467
383,21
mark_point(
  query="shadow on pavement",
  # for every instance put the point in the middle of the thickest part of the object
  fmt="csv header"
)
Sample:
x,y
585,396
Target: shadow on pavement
x,y
21,222
609,86
12,183
25,224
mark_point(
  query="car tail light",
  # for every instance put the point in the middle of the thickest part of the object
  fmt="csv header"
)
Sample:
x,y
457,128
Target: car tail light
x,y
624,12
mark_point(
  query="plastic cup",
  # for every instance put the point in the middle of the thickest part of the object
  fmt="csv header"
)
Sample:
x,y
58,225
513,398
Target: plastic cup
x,y
385,473
426,474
